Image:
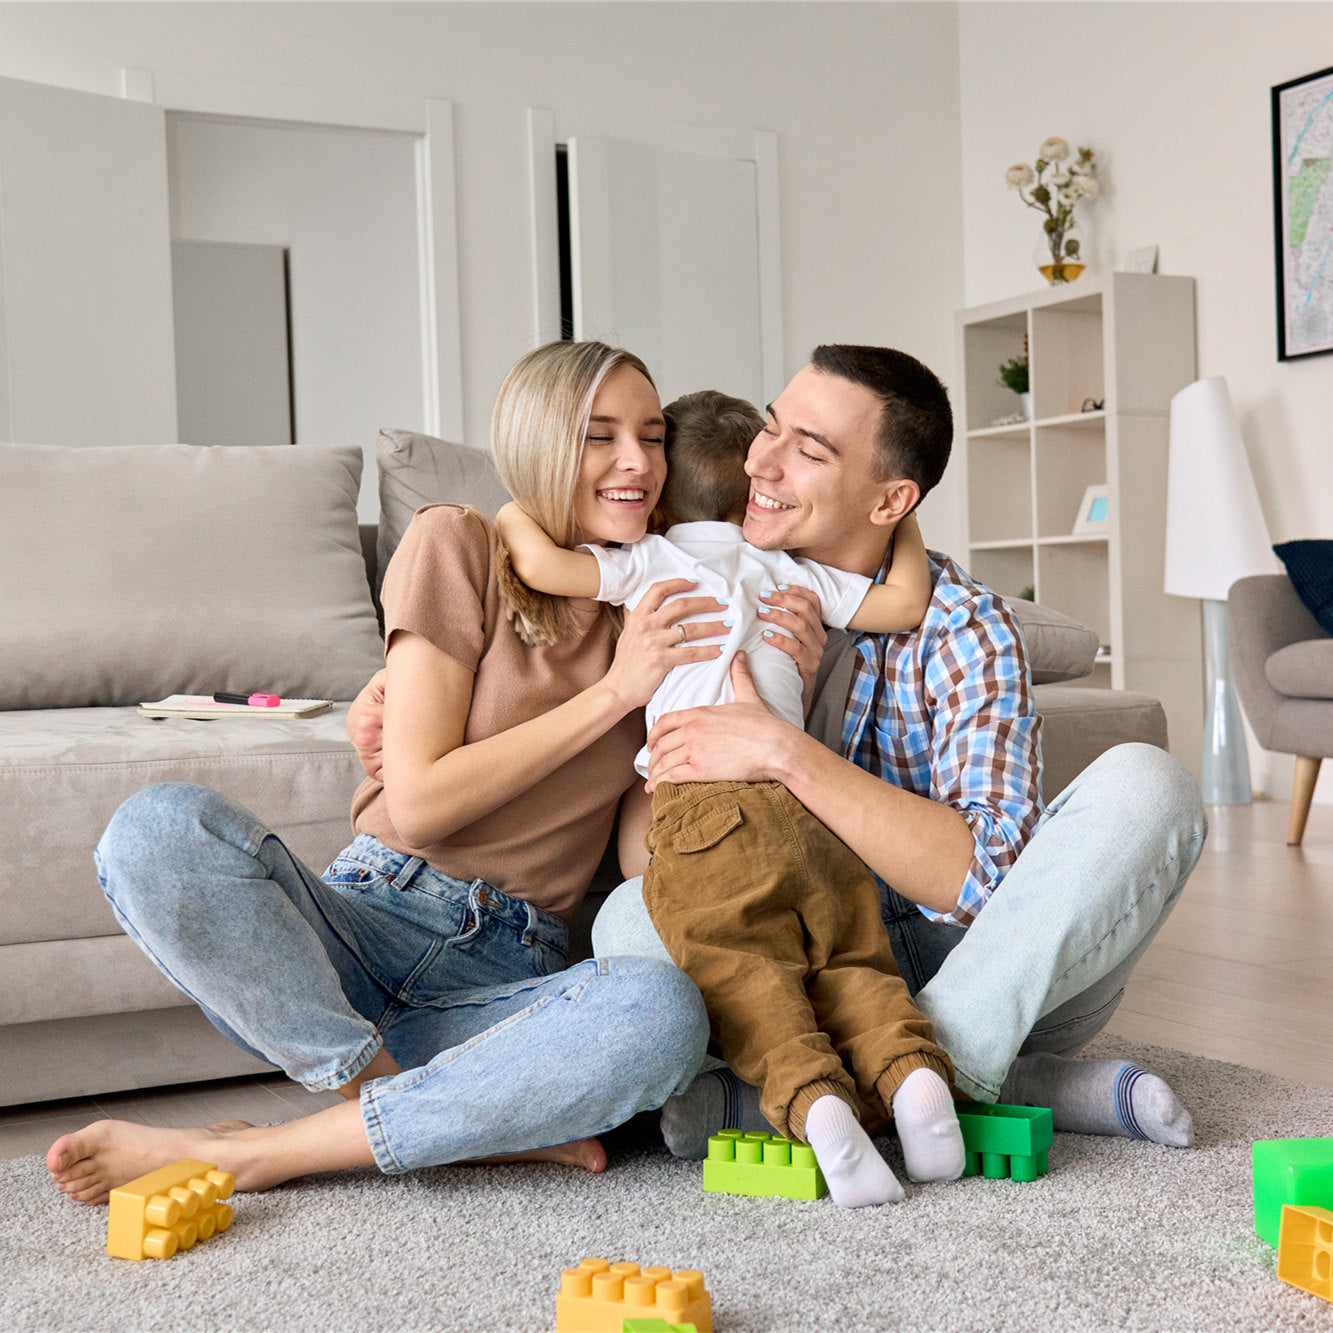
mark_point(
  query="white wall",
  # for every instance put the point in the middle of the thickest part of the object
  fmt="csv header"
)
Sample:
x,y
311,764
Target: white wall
x,y
863,99
1175,99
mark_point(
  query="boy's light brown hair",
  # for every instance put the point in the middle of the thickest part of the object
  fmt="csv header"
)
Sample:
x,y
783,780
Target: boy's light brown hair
x,y
708,436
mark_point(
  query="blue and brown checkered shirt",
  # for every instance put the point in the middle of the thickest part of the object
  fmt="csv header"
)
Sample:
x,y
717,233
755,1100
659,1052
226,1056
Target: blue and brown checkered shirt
x,y
946,712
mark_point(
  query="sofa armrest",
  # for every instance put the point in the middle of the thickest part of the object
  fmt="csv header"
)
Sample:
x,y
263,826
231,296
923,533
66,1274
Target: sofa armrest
x,y
1266,615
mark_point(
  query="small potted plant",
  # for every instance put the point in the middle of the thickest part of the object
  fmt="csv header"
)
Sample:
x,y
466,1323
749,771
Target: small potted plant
x,y
1014,375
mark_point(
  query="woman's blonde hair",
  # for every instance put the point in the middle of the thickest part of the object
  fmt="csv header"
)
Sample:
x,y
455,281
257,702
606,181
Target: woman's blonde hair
x,y
537,433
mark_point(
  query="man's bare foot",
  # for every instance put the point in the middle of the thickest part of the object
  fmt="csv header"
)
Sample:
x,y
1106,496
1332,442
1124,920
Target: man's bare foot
x,y
88,1164
587,1153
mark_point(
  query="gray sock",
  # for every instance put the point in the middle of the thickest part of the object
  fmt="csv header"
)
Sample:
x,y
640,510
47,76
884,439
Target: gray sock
x,y
1100,1097
717,1099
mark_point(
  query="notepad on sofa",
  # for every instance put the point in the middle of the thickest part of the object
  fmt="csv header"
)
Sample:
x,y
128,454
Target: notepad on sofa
x,y
202,707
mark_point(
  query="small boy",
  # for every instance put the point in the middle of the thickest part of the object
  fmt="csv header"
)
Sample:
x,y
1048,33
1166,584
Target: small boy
x,y
776,921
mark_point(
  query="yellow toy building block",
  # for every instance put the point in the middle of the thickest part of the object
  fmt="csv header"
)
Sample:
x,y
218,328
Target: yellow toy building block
x,y
1305,1249
599,1296
168,1210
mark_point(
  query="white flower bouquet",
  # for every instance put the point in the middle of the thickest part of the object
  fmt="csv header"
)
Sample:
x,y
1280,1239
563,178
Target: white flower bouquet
x,y
1071,180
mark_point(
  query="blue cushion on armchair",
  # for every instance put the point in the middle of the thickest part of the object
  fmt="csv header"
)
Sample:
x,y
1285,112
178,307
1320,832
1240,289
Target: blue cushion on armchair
x,y
1310,568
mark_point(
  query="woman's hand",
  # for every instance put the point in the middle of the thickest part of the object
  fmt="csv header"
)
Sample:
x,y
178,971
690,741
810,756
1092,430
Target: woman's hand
x,y
797,611
655,639
365,726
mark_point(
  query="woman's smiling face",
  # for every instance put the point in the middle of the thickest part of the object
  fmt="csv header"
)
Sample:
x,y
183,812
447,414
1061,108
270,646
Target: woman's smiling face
x,y
623,464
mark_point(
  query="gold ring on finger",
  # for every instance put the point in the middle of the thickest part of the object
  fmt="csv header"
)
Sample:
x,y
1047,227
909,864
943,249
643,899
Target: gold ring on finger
x,y
681,628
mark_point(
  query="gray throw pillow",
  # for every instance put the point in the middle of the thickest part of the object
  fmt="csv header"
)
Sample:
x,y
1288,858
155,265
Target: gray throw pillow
x,y
1059,647
418,470
136,572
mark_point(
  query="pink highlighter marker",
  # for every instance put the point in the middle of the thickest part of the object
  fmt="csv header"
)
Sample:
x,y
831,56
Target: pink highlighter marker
x,y
254,700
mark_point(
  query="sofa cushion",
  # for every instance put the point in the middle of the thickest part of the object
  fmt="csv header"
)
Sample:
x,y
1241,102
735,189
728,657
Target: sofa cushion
x,y
1080,722
1059,648
1310,568
140,571
63,773
1302,670
418,470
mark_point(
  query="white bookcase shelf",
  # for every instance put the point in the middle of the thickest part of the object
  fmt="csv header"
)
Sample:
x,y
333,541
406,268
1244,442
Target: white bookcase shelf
x,y
1119,345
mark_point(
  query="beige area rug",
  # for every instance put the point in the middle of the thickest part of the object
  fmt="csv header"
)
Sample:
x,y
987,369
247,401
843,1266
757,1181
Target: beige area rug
x,y
1119,1235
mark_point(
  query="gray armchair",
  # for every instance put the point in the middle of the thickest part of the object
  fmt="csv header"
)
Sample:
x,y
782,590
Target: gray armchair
x,y
1284,674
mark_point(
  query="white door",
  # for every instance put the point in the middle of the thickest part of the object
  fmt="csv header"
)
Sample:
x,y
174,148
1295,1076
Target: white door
x,y
665,262
86,350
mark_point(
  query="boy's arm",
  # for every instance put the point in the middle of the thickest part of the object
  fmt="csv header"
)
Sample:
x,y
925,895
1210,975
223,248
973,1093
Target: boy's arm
x,y
543,565
900,602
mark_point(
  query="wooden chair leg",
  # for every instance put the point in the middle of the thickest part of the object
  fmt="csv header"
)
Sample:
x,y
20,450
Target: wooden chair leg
x,y
1302,793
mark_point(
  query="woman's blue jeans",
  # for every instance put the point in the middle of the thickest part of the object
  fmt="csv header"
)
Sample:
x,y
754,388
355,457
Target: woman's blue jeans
x,y
503,1050
1044,965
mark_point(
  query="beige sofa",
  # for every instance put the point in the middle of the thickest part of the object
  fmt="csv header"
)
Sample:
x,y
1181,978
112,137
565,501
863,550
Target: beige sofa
x,y
135,573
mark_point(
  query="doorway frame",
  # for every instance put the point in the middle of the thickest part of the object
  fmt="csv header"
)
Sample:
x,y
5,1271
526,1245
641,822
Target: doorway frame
x,y
431,122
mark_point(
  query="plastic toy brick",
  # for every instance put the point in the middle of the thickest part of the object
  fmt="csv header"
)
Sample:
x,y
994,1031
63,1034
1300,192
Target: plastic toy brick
x,y
1289,1171
1006,1141
655,1326
599,1297
761,1165
168,1210
1305,1250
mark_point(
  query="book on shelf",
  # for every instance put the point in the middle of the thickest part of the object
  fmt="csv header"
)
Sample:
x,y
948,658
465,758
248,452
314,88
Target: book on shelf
x,y
203,707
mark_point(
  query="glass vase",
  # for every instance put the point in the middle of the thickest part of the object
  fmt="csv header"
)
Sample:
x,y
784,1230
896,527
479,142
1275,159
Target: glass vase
x,y
1054,258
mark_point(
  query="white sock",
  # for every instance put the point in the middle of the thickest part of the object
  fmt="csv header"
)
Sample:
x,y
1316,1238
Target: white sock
x,y
858,1177
928,1127
717,1099
1100,1097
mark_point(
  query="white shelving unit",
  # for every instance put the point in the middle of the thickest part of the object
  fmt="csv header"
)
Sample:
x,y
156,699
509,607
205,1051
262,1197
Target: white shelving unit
x,y
1124,341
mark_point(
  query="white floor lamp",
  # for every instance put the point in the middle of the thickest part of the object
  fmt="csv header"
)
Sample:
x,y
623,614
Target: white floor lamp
x,y
1215,534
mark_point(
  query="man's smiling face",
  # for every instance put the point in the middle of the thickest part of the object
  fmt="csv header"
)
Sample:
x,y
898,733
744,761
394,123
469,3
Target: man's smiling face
x,y
812,471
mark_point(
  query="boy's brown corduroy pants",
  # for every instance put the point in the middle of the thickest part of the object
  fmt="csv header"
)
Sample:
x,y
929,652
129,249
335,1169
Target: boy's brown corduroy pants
x,y
778,924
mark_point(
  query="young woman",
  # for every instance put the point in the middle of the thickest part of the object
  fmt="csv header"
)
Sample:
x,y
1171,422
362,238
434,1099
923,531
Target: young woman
x,y
423,975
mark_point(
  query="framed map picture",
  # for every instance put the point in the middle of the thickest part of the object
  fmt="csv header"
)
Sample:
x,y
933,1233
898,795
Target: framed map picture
x,y
1303,214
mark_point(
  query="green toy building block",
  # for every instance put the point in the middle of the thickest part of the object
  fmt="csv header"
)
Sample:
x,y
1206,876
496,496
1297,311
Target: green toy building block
x,y
1305,1250
1294,1171
1006,1141
762,1165
655,1326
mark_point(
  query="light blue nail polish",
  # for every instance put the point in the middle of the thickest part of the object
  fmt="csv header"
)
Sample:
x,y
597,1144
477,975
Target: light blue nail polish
x,y
766,592
729,624
768,634
782,587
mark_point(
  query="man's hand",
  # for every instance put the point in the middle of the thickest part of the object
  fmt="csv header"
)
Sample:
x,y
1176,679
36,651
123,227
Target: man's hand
x,y
365,726
736,742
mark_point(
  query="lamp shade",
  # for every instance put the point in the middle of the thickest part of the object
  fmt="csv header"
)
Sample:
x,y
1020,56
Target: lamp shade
x,y
1215,530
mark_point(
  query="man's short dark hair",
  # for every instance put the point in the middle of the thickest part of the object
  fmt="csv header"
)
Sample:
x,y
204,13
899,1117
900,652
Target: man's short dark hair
x,y
916,426
708,435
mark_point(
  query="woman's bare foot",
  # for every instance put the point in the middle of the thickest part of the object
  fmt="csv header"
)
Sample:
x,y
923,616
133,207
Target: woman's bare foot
x,y
88,1164
587,1153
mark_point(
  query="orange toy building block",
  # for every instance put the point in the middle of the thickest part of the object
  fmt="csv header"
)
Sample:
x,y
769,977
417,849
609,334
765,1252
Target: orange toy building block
x,y
1305,1249
168,1210
598,1296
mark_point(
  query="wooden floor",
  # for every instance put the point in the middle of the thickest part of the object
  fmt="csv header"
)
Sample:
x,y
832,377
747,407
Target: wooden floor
x,y
1236,974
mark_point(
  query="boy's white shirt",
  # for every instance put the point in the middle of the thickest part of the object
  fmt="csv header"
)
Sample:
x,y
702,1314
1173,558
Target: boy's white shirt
x,y
727,567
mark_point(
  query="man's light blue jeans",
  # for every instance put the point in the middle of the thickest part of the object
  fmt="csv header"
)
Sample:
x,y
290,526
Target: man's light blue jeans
x,y
1044,965
503,1051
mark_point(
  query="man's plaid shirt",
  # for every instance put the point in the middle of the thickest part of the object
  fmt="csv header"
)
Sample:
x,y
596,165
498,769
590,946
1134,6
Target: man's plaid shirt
x,y
946,711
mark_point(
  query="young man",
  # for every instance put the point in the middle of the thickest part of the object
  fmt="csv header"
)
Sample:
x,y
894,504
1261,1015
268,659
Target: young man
x,y
1015,928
